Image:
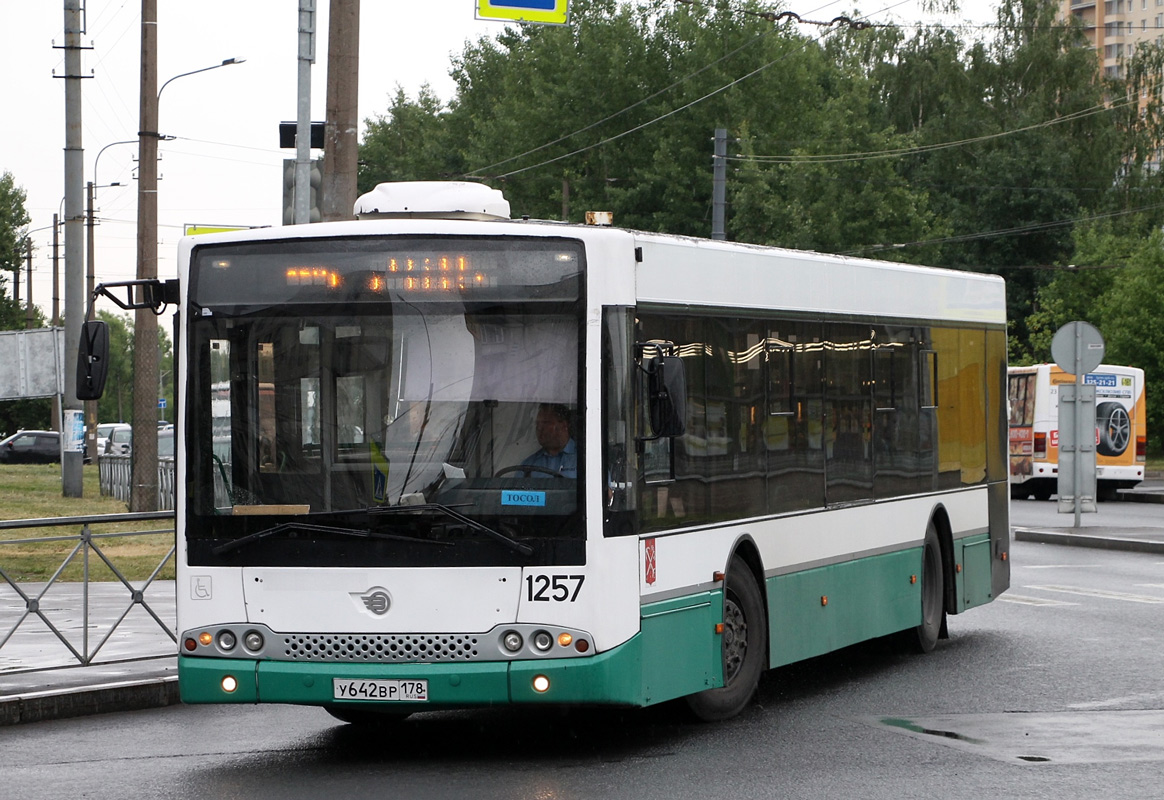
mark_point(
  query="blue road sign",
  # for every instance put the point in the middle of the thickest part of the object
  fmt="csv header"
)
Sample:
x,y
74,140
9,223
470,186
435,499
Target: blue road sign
x,y
544,12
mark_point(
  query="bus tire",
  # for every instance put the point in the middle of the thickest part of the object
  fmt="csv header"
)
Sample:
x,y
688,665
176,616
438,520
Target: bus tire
x,y
366,718
744,647
933,591
1115,429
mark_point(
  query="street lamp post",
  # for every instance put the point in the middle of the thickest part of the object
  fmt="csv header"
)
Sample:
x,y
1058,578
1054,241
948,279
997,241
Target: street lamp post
x,y
90,264
144,462
91,271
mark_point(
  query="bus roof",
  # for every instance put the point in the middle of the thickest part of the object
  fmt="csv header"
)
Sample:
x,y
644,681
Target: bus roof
x,y
708,273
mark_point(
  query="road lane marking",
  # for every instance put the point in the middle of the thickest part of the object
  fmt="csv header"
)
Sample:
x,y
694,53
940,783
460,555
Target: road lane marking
x,y
1101,593
1023,599
1062,566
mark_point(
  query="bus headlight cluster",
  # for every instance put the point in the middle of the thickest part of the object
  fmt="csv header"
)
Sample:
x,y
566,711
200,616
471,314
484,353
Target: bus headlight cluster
x,y
542,642
225,641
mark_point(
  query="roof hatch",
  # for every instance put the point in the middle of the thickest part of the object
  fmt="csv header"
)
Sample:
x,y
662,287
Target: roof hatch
x,y
432,200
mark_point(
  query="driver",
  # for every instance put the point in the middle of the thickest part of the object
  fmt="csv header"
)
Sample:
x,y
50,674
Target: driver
x,y
558,453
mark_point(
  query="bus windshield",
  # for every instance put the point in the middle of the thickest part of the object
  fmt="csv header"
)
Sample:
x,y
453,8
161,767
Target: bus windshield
x,y
418,394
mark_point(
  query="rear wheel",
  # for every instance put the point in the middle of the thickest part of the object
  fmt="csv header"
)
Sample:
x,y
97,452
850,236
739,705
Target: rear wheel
x,y
933,592
744,647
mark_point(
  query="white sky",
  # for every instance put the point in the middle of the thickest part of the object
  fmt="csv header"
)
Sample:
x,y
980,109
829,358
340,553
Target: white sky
x,y
226,169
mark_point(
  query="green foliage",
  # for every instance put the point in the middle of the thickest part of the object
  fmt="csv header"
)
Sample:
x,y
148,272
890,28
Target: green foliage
x,y
21,415
116,405
1006,152
13,247
410,143
1128,315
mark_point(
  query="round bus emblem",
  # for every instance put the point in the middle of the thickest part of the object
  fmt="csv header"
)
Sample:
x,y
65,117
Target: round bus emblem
x,y
377,601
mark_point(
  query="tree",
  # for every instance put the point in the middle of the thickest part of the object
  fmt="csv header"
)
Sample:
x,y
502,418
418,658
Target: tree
x,y
116,405
14,220
16,414
1006,154
1129,315
409,143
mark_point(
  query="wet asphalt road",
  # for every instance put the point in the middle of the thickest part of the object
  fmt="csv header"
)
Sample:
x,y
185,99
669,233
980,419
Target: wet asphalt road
x,y
1054,691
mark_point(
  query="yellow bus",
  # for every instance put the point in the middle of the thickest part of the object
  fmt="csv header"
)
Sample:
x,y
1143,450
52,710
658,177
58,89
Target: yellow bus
x,y
1120,429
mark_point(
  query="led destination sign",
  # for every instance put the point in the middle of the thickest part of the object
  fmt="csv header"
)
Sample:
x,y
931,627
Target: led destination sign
x,y
379,268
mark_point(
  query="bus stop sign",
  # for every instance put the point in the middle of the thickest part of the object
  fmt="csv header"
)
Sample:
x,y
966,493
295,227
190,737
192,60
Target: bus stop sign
x,y
544,12
1077,348
1082,359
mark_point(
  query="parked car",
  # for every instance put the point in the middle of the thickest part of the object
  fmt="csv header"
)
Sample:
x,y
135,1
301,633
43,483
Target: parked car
x,y
31,447
166,442
119,440
103,431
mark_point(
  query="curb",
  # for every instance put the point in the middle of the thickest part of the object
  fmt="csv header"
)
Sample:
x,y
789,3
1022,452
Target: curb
x,y
1134,496
100,699
1083,540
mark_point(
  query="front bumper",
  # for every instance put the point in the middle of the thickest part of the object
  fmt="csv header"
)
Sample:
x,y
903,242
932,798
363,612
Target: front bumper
x,y
614,677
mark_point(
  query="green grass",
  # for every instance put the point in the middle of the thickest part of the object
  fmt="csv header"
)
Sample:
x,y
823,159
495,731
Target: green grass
x,y
34,492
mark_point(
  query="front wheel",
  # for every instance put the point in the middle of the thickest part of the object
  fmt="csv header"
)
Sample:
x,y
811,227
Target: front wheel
x,y
744,647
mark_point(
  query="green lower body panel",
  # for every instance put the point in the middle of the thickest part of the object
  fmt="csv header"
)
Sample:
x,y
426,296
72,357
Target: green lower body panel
x,y
681,651
974,579
613,677
821,610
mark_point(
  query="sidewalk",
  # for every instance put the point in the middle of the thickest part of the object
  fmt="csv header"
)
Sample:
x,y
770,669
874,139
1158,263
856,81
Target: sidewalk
x,y
40,680
1094,533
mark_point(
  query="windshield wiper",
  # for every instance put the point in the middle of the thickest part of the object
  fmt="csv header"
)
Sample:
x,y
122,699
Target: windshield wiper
x,y
512,544
235,544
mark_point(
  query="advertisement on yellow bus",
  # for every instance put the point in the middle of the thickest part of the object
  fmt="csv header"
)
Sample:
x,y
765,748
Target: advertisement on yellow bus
x,y
1120,428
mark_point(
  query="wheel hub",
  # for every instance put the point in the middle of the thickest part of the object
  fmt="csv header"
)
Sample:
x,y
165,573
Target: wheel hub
x,y
735,640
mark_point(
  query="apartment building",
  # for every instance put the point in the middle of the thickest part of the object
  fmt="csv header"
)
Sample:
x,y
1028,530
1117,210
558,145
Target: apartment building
x,y
1116,27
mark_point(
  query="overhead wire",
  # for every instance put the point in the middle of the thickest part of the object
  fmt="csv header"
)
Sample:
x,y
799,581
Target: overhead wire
x,y
672,112
631,107
836,158
1020,230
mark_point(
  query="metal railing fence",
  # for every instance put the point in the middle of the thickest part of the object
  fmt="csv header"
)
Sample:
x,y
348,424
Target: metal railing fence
x,y
85,543
116,477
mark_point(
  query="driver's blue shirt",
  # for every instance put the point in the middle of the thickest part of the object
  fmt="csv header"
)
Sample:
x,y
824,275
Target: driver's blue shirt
x,y
564,463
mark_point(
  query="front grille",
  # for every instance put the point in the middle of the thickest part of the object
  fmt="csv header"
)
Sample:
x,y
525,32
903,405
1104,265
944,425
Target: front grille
x,y
374,647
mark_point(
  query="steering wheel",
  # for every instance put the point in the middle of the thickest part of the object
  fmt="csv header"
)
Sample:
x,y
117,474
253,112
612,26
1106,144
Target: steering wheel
x,y
528,468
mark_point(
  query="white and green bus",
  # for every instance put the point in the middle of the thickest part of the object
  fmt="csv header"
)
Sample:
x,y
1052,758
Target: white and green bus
x,y
440,458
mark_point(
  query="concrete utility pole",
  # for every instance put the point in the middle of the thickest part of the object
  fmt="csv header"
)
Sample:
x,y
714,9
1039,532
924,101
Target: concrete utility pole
x,y
340,130
28,316
90,262
56,271
303,115
144,490
72,460
719,184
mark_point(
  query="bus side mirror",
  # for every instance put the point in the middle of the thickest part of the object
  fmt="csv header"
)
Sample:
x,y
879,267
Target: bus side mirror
x,y
667,387
92,360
